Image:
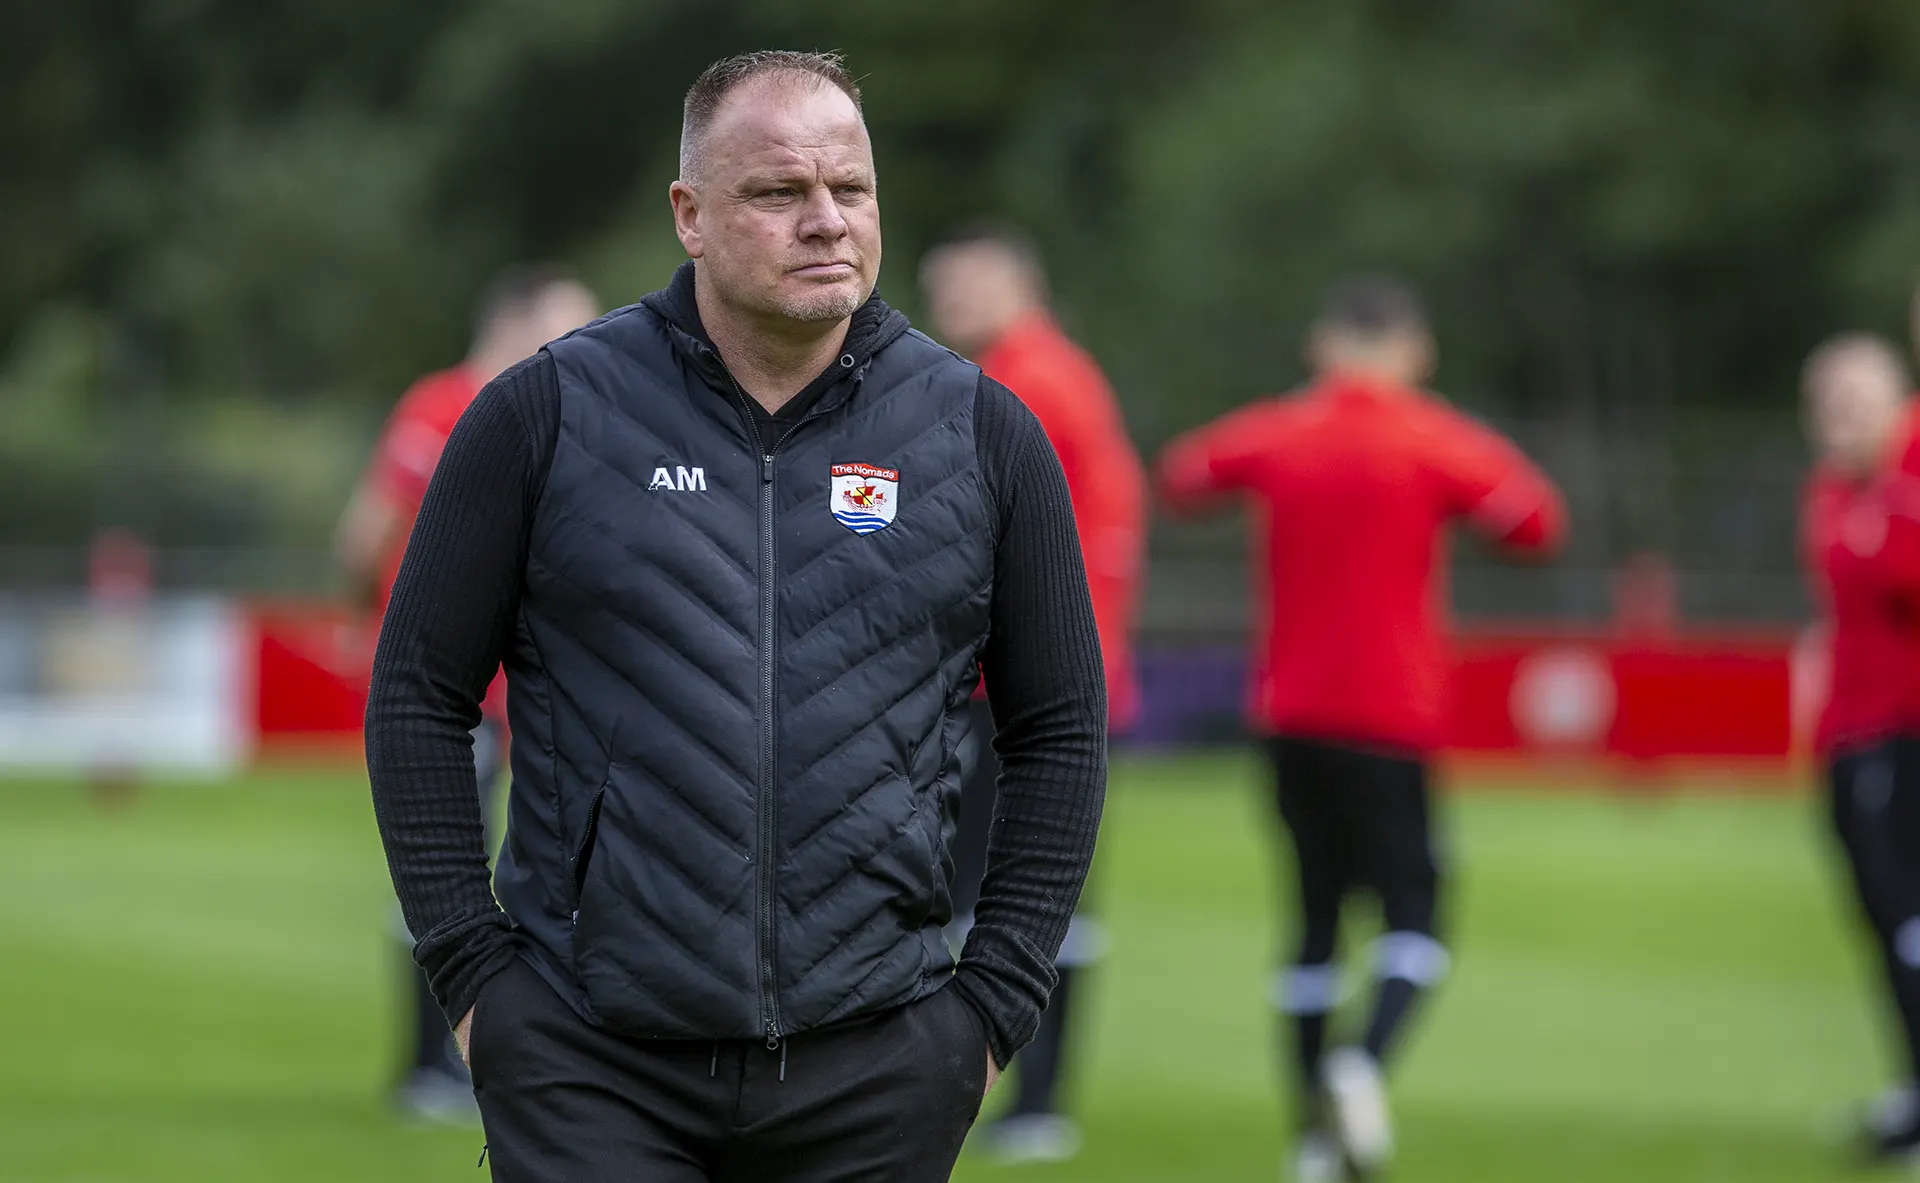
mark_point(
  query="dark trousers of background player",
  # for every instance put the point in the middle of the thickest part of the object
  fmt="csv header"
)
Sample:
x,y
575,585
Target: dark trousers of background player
x,y
432,1052
1359,820
1038,1077
1874,793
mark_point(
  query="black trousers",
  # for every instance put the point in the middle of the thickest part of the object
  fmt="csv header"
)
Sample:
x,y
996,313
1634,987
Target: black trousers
x,y
1360,820
885,1099
1875,799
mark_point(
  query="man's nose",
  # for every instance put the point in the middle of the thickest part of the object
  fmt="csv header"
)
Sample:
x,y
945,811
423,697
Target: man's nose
x,y
821,217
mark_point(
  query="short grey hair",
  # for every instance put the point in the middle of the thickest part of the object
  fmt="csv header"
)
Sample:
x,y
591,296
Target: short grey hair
x,y
720,79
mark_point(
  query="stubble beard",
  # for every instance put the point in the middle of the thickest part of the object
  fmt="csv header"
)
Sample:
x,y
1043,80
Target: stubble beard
x,y
837,303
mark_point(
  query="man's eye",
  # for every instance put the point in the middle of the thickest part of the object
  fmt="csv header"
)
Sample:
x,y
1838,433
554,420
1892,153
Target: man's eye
x,y
778,191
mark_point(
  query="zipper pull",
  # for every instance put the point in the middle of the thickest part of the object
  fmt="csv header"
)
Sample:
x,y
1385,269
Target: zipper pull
x,y
766,469
773,1038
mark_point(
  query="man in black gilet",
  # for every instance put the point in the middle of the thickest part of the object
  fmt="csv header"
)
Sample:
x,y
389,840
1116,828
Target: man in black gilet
x,y
744,550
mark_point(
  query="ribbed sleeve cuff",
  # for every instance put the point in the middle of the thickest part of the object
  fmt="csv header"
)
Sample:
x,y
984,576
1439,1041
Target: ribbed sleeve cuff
x,y
1008,981
459,958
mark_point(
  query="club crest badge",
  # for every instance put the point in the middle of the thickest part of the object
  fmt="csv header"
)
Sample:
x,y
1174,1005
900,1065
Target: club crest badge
x,y
864,498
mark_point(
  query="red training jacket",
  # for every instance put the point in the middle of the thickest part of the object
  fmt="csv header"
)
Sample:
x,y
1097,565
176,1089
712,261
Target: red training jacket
x,y
403,462
1066,391
408,449
1861,541
1353,482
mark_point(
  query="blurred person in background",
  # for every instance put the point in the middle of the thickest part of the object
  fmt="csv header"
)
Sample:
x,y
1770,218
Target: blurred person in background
x,y
521,310
1861,538
119,591
987,294
746,548
1353,482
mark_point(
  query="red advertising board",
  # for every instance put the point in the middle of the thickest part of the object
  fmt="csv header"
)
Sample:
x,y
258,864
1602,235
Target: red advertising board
x,y
310,680
1693,700
1689,695
1525,699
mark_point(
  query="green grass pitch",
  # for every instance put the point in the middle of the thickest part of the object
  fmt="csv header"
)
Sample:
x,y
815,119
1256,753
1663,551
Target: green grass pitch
x,y
196,987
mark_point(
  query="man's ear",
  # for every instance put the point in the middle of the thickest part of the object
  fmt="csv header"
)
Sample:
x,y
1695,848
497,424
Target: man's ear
x,y
686,217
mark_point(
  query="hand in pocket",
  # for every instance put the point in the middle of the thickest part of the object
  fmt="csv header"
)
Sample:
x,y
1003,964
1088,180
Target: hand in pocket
x,y
463,1033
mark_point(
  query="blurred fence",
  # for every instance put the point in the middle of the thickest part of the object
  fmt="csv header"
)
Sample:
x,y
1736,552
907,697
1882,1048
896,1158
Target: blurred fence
x,y
1713,493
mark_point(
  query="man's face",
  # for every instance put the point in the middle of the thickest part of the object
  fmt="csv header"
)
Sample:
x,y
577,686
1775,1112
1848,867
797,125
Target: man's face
x,y
1854,407
557,310
562,308
975,290
1403,356
784,217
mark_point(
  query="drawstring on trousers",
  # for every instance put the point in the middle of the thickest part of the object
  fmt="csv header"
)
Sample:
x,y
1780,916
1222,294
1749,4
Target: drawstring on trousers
x,y
713,1065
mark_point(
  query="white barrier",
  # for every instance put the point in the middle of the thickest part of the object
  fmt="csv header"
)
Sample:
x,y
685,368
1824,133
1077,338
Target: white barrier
x,y
161,685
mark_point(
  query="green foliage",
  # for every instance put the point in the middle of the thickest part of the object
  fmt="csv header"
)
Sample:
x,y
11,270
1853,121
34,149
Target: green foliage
x,y
48,448
1616,208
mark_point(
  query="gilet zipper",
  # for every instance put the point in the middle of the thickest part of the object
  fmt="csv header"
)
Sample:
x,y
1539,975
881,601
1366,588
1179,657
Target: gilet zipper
x,y
768,786
768,793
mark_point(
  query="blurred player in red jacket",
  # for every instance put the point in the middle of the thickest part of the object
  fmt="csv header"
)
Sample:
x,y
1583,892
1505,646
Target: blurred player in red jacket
x,y
521,310
987,294
1352,483
1861,537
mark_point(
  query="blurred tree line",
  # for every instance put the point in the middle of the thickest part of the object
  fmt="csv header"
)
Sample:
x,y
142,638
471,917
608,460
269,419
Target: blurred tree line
x,y
233,230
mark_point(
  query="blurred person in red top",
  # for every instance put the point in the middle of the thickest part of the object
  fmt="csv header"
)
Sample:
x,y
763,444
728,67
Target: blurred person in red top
x,y
987,296
521,310
1353,482
1861,538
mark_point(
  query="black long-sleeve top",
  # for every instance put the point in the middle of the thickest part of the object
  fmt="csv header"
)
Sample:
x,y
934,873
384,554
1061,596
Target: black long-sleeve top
x,y
452,619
